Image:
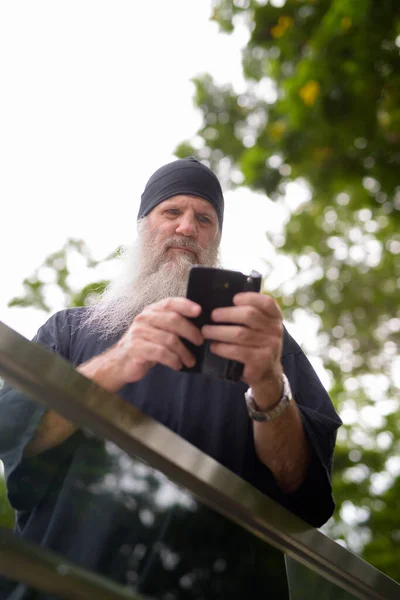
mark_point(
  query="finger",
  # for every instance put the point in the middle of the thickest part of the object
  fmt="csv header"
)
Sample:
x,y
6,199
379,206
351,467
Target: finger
x,y
182,306
258,362
266,304
251,356
169,341
255,362
230,351
171,322
246,315
158,353
232,334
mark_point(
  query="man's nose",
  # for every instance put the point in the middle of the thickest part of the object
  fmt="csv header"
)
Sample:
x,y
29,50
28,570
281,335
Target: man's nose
x,y
187,226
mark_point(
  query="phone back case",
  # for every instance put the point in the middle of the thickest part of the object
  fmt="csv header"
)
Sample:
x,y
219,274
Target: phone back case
x,y
214,288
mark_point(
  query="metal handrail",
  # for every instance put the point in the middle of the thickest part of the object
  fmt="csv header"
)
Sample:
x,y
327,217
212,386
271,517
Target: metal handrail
x,y
44,570
52,381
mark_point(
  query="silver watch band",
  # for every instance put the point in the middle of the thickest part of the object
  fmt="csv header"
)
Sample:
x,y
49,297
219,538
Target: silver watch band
x,y
273,413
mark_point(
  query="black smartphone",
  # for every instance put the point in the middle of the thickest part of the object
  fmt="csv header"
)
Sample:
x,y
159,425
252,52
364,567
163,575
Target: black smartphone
x,y
215,288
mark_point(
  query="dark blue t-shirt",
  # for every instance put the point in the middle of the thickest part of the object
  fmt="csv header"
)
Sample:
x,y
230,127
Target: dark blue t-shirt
x,y
62,497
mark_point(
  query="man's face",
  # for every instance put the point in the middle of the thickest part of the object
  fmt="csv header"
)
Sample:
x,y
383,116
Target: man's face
x,y
184,226
176,234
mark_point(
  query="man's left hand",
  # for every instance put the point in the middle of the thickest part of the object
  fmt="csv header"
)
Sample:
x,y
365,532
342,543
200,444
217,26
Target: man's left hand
x,y
254,338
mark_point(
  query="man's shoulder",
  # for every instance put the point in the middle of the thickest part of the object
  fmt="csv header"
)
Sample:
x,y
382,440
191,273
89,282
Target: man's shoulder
x,y
67,318
78,339
57,331
70,317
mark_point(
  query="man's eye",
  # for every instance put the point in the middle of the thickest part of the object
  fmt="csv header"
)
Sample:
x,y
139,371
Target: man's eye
x,y
172,211
204,219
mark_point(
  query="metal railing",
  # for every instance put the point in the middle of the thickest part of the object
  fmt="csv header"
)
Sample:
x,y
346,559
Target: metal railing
x,y
25,562
52,381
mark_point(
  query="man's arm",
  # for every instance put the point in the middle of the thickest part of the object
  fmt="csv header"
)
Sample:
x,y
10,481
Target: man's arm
x,y
52,430
281,444
255,338
154,337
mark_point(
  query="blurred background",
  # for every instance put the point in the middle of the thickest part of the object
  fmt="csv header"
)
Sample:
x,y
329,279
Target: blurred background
x,y
296,105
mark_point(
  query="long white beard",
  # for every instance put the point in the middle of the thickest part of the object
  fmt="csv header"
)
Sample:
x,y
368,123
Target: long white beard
x,y
148,274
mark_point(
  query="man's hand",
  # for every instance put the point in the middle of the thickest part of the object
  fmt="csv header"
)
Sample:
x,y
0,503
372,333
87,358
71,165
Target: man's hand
x,y
255,339
153,337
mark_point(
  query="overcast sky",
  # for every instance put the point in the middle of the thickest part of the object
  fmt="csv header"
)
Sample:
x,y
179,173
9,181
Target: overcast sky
x,y
95,96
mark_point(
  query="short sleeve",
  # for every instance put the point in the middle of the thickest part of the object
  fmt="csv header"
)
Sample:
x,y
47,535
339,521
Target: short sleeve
x,y
20,415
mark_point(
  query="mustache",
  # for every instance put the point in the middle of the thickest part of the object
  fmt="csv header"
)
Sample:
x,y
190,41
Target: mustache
x,y
183,243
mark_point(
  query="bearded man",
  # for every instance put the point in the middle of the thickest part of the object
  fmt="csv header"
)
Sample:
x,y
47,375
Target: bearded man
x,y
280,438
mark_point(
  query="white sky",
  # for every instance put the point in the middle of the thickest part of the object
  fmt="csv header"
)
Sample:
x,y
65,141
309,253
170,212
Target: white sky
x,y
95,95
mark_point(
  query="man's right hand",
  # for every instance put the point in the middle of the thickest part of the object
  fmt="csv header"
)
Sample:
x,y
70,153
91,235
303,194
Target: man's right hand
x,y
153,337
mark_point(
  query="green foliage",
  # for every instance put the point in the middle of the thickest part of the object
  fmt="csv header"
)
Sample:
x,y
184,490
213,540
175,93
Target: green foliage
x,y
6,512
55,272
58,271
321,107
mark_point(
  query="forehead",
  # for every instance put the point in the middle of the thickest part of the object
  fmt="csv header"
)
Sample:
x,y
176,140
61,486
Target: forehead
x,y
185,201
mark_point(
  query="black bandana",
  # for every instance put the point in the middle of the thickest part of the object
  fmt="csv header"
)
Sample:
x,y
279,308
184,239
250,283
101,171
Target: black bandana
x,y
183,176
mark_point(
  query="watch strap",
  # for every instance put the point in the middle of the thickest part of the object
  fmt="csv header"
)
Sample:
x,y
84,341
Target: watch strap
x,y
271,414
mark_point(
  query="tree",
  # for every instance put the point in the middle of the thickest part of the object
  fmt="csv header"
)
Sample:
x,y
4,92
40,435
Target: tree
x,y
321,109
54,273
6,514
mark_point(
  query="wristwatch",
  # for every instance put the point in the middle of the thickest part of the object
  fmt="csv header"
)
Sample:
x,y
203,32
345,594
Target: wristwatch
x,y
273,413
